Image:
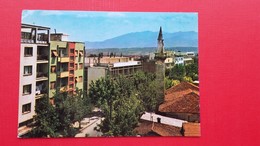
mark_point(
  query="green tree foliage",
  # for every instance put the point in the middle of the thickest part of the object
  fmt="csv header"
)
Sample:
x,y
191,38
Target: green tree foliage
x,y
183,72
168,82
123,100
187,79
64,109
192,70
175,82
46,119
56,120
126,113
177,72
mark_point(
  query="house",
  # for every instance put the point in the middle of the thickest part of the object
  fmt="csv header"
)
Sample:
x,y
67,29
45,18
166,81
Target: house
x,y
182,102
148,128
179,60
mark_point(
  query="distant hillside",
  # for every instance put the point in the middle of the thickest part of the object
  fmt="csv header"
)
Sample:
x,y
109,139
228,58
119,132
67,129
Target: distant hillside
x,y
147,39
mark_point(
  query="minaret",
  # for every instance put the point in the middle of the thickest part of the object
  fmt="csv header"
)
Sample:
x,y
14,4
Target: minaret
x,y
160,43
160,56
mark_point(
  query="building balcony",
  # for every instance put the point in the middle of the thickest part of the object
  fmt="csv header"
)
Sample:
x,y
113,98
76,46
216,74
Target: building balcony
x,y
64,74
33,41
42,59
63,59
41,76
40,93
64,88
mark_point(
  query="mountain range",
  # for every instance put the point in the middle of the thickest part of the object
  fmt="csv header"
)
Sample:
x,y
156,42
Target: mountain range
x,y
147,39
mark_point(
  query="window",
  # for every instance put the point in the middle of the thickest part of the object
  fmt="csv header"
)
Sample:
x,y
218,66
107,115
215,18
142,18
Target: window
x,y
76,53
28,51
71,58
80,66
54,54
76,66
27,71
52,85
26,108
80,78
81,53
27,89
53,69
80,56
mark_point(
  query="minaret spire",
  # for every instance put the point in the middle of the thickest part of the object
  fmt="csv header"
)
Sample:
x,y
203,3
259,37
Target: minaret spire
x,y
160,48
160,36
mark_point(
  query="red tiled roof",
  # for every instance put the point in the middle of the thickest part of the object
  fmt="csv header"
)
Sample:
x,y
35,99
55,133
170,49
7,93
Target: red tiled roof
x,y
179,90
188,103
161,129
191,129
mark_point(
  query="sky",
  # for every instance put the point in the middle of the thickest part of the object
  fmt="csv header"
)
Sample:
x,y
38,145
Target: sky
x,y
98,26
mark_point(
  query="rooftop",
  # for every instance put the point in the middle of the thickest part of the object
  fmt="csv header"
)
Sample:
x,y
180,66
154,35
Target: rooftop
x,y
188,103
146,127
191,129
23,25
179,90
182,98
164,120
129,63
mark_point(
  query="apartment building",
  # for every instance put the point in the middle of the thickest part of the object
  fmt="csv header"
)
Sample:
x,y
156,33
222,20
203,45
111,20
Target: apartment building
x,y
33,82
66,65
48,63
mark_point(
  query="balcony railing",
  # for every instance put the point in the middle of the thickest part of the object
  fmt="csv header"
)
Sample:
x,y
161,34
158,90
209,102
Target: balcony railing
x,y
63,59
40,38
40,93
42,59
40,76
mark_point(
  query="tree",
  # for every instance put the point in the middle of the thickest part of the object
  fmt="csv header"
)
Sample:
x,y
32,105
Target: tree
x,y
80,106
175,82
168,82
147,89
103,92
187,79
46,119
177,72
123,100
192,70
55,120
126,117
64,108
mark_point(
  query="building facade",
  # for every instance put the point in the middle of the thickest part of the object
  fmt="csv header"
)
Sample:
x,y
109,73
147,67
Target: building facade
x,y
33,81
46,67
66,66
115,69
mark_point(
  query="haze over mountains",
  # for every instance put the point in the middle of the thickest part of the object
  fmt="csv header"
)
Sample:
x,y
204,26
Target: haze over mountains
x,y
147,39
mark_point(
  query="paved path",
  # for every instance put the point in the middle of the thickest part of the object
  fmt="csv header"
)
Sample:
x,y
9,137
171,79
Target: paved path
x,y
88,125
164,120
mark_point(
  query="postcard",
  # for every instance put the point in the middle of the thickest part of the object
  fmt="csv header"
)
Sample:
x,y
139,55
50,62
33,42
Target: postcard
x,y
108,74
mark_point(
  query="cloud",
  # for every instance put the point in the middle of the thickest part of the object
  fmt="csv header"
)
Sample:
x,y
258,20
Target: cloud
x,y
46,13
115,14
27,13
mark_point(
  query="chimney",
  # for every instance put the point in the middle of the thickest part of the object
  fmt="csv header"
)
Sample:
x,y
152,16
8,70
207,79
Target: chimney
x,y
158,120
